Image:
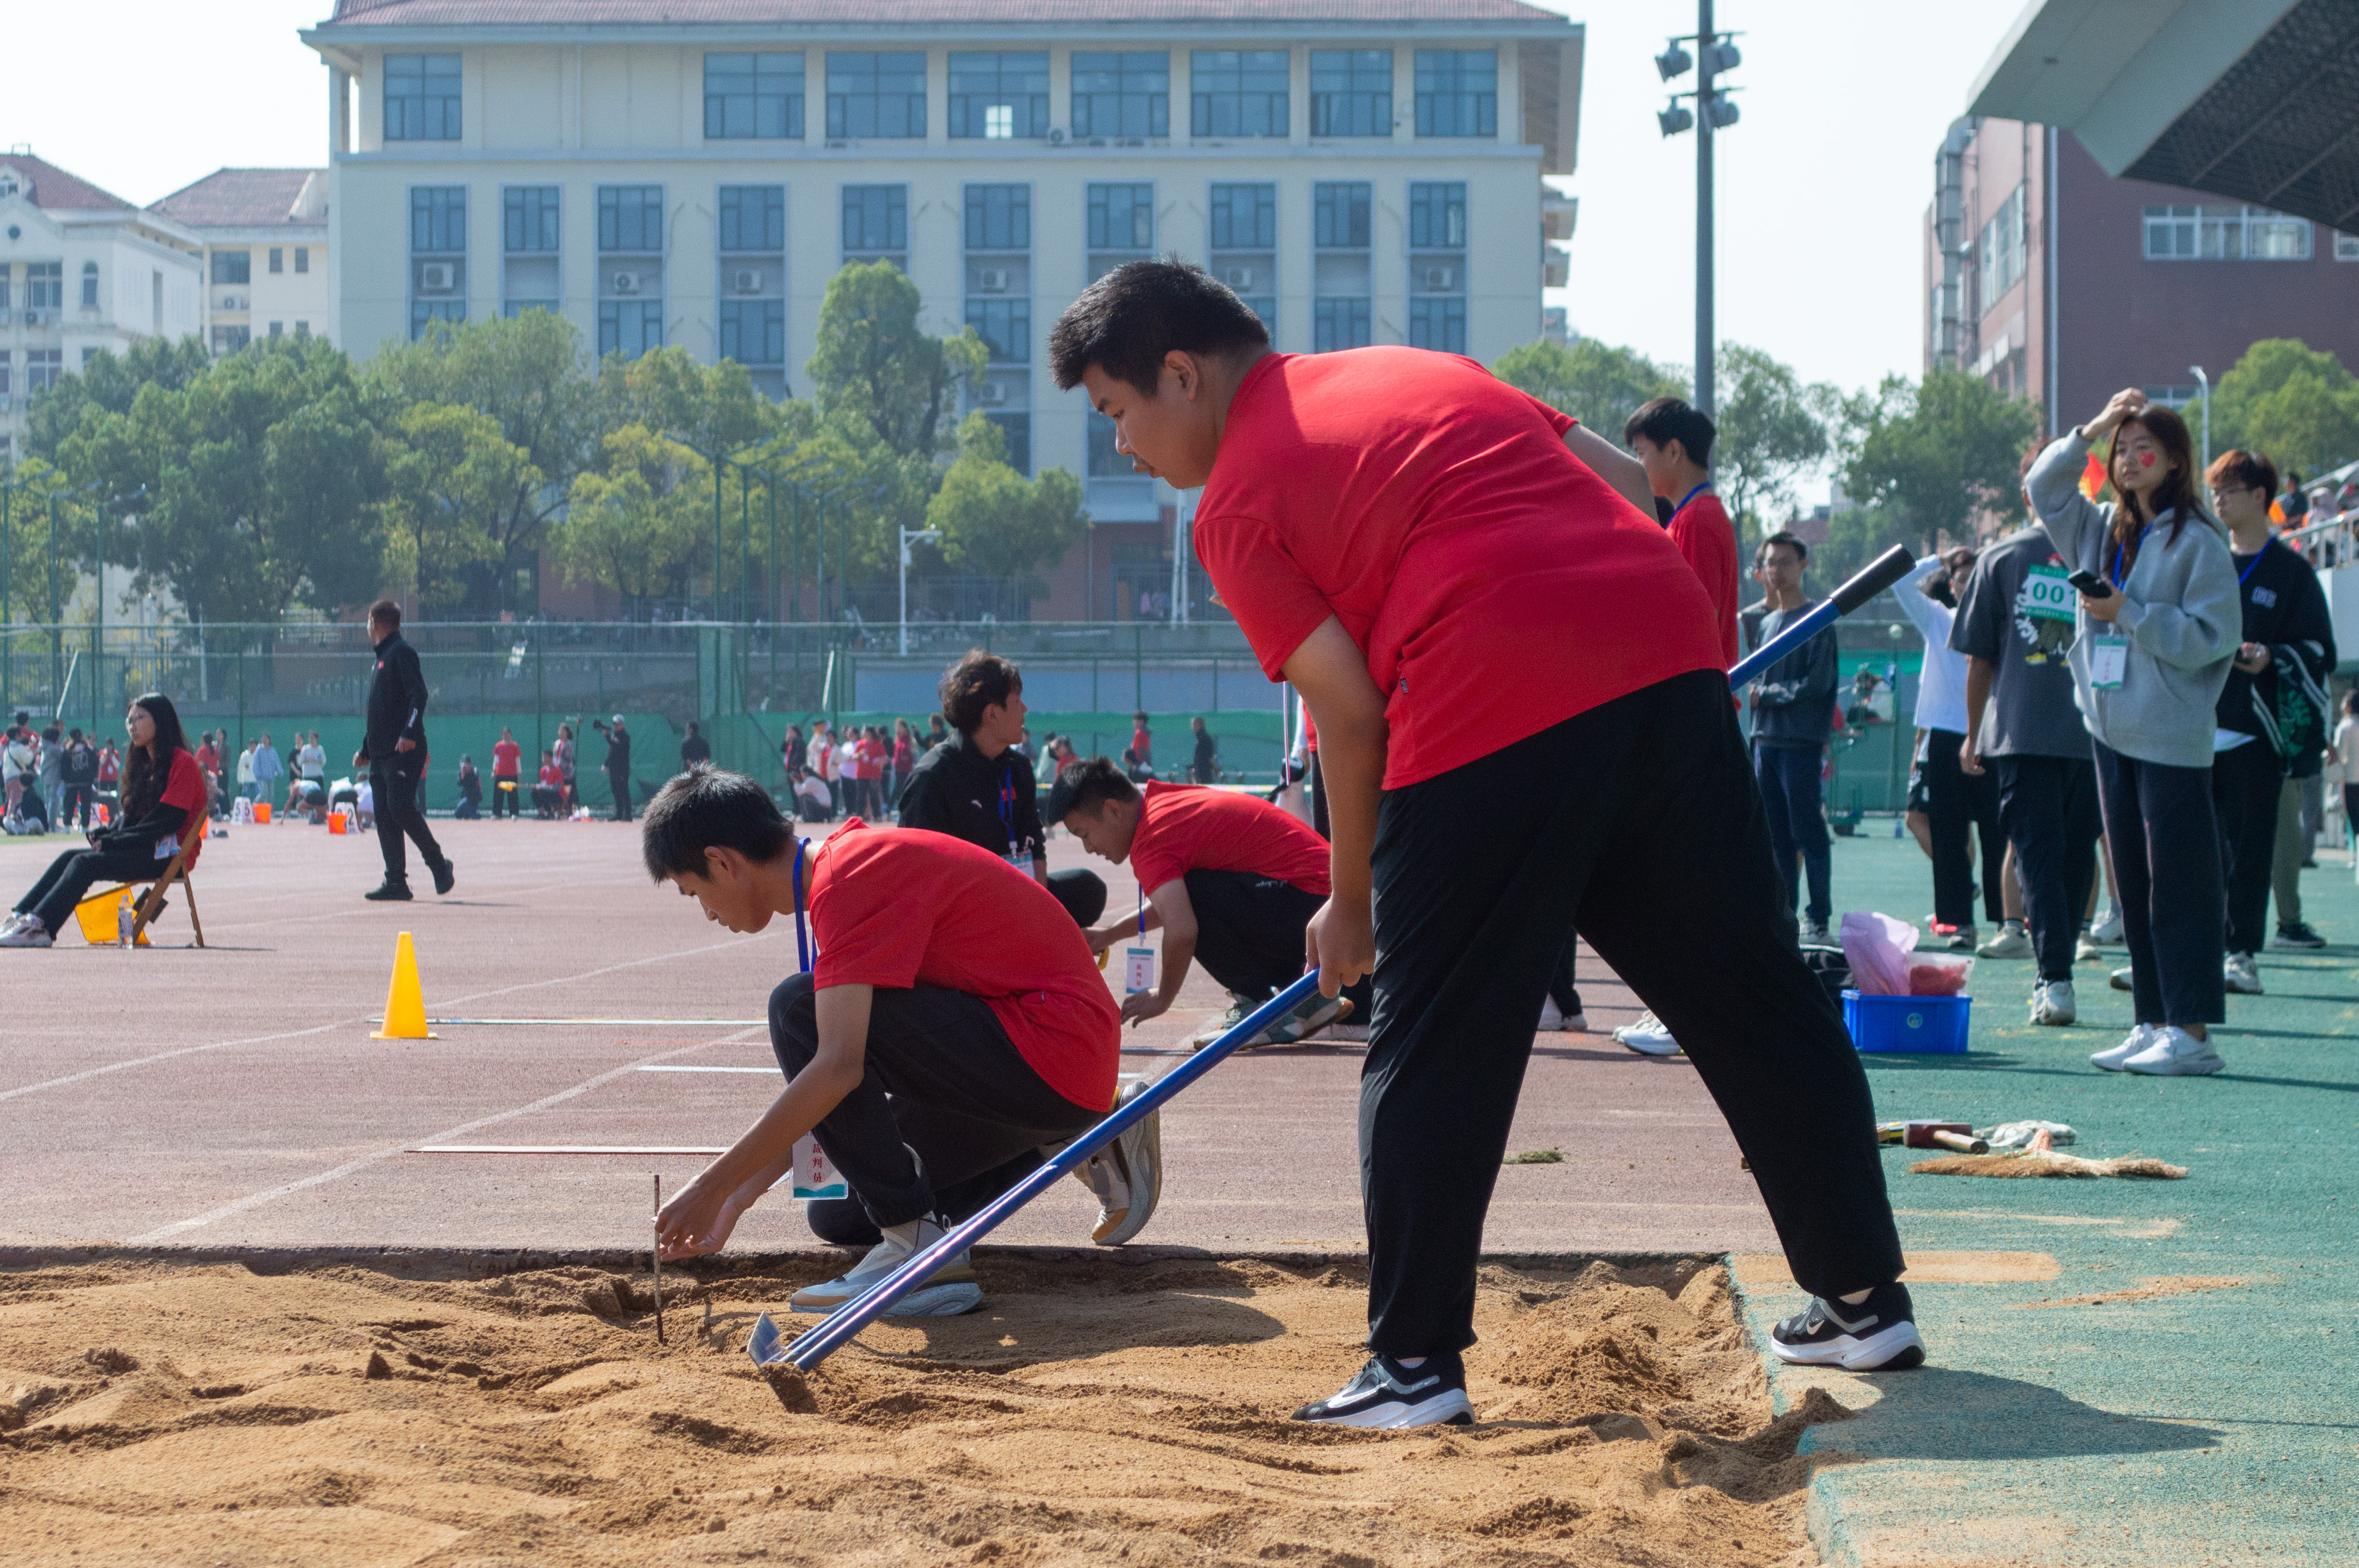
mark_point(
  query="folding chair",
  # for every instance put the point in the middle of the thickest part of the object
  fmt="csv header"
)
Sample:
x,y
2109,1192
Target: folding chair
x,y
151,904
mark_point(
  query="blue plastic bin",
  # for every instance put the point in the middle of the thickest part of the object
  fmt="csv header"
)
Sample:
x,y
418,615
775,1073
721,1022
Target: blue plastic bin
x,y
1919,1023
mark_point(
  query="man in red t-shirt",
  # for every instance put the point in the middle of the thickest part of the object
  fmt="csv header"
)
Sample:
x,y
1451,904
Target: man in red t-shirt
x,y
1230,879
1525,728
1673,442
955,1022
507,758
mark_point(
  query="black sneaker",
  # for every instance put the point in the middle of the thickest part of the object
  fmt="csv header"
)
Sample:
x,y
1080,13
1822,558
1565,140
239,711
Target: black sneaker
x,y
2298,935
389,893
1879,1335
444,877
1389,1396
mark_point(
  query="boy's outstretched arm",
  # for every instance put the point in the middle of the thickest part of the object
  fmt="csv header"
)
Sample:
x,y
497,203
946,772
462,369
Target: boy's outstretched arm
x,y
1332,674
700,1217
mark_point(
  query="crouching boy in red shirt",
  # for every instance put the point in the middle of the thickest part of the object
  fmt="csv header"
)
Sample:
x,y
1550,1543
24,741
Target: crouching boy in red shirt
x,y
955,1019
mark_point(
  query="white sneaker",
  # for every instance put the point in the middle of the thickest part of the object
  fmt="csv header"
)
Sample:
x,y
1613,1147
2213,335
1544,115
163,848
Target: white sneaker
x,y
2120,978
2240,974
1126,1175
27,932
2010,943
2051,1002
948,1291
2085,950
1648,1036
2175,1053
2108,929
2136,1041
1555,1020
1239,1007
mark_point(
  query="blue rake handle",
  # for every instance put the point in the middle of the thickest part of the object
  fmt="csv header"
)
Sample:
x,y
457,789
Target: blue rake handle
x,y
852,1317
1880,574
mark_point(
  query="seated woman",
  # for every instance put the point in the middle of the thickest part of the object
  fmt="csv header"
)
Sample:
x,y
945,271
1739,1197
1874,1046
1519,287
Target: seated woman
x,y
548,795
162,789
471,791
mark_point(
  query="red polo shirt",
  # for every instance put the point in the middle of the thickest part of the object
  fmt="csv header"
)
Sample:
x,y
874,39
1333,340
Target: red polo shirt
x,y
1708,540
1496,584
1191,827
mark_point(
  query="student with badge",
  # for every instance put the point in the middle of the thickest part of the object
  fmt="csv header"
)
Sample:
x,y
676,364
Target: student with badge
x,y
1231,880
2158,625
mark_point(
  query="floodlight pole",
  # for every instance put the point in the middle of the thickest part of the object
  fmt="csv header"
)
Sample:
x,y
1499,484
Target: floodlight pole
x,y
2206,382
1705,38
910,536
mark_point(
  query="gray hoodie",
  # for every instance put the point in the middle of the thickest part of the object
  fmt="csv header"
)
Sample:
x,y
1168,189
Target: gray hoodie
x,y
2183,618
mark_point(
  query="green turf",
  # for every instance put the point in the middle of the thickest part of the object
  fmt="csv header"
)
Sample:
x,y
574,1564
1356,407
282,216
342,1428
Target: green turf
x,y
2220,1426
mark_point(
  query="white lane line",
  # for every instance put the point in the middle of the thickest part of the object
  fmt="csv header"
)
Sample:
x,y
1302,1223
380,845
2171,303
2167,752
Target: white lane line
x,y
707,1150
687,1067
232,1209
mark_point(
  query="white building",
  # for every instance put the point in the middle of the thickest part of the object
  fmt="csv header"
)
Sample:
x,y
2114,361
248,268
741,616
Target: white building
x,y
265,234
693,171
80,270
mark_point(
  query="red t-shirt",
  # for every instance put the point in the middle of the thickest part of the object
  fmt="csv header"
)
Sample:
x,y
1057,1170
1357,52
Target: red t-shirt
x,y
1704,536
871,753
549,777
1141,743
185,787
1496,585
901,907
1191,827
504,759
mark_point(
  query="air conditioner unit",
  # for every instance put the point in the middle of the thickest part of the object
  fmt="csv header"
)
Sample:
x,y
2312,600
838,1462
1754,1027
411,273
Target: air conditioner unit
x,y
35,317
1056,136
992,392
1441,278
992,280
745,280
237,301
1238,277
626,282
433,277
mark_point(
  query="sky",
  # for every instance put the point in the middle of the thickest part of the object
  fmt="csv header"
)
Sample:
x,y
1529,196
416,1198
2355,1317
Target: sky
x,y
1822,185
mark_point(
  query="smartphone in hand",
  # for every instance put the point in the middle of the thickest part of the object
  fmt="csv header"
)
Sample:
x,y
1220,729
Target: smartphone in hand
x,y
2089,582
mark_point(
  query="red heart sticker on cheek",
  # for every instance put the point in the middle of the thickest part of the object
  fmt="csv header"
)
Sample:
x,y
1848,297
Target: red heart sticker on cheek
x,y
2145,460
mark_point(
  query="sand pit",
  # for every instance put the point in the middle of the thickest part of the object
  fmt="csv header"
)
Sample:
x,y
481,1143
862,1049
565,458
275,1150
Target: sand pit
x,y
1097,1409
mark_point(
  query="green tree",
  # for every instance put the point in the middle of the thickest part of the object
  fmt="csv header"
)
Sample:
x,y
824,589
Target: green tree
x,y
2264,371
1771,428
640,522
992,519
2306,423
110,383
875,362
1936,452
454,485
1596,383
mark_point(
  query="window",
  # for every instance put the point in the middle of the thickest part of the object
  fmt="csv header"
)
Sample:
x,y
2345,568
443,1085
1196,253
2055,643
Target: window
x,y
277,259
43,366
753,97
1120,226
89,285
2176,396
2209,233
1341,271
998,289
999,97
754,282
528,244
302,331
1351,92
7,360
5,270
1238,92
630,269
1457,93
1244,246
2001,253
2346,248
438,255
278,328
229,339
232,266
1437,266
873,94
876,223
1126,96
302,258
422,98
45,286
89,354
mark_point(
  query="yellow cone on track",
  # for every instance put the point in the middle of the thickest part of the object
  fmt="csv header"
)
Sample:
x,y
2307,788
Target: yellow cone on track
x,y
404,1003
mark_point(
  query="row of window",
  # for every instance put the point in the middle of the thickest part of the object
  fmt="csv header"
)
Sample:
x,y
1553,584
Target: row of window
x,y
2206,233
44,284
997,95
228,340
42,368
237,266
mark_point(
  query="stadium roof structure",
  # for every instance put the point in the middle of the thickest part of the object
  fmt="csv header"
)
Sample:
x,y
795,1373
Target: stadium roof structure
x,y
2255,100
901,13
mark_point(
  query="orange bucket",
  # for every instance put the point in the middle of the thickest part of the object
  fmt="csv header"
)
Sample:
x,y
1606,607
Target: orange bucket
x,y
261,812
335,822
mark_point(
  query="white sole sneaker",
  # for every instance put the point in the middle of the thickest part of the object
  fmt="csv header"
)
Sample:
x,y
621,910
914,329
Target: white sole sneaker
x,y
1877,1349
1134,1163
1444,1408
932,1300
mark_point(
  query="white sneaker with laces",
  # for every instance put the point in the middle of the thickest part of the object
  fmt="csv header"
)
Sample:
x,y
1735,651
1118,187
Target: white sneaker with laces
x,y
1126,1175
27,932
948,1291
2085,950
1648,1036
2051,1002
2136,1040
2120,978
2172,1053
1555,1020
2241,974
2010,943
2108,929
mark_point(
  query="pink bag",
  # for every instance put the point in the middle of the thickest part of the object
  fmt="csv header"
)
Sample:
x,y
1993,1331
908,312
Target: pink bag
x,y
1877,948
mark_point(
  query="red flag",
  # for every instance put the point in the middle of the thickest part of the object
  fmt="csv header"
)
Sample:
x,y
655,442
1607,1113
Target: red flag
x,y
2093,476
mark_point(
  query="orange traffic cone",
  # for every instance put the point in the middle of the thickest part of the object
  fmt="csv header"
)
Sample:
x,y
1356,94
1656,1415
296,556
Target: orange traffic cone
x,y
404,1003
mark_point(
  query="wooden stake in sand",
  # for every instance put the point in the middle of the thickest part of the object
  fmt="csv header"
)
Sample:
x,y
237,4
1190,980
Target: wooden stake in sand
x,y
655,1254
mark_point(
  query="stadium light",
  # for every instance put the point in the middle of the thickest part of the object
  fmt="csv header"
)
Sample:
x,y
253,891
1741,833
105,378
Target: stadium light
x,y
1674,61
1674,119
1714,111
1721,110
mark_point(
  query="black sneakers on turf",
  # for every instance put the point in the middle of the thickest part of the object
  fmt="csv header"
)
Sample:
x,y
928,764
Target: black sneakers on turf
x,y
1879,1335
1389,1396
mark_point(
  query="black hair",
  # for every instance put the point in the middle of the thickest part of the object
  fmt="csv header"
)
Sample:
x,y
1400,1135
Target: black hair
x,y
2237,468
1668,419
387,610
149,768
710,808
1127,321
1081,786
1781,536
979,680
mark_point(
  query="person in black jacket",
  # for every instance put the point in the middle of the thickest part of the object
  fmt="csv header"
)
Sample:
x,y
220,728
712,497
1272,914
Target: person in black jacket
x,y
1793,709
618,765
394,751
2272,714
977,787
693,749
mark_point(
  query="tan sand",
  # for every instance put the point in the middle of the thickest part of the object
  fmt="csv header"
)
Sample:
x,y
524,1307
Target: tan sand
x,y
1098,1408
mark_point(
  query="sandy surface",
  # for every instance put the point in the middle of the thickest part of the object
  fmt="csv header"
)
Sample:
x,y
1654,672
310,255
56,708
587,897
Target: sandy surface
x,y
1095,1409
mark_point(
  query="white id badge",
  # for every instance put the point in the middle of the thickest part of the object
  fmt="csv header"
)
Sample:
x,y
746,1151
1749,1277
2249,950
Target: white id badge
x,y
1138,969
815,1175
1021,861
2109,660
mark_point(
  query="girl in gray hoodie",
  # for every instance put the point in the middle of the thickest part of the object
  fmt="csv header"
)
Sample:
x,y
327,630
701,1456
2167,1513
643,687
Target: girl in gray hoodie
x,y
2149,661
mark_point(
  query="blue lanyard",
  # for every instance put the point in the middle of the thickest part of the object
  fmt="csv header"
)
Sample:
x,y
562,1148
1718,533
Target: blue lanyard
x,y
1142,914
1007,804
2118,553
802,937
1690,495
2255,561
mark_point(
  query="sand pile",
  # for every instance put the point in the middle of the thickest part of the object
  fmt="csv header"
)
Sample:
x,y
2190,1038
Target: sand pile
x,y
1102,1408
